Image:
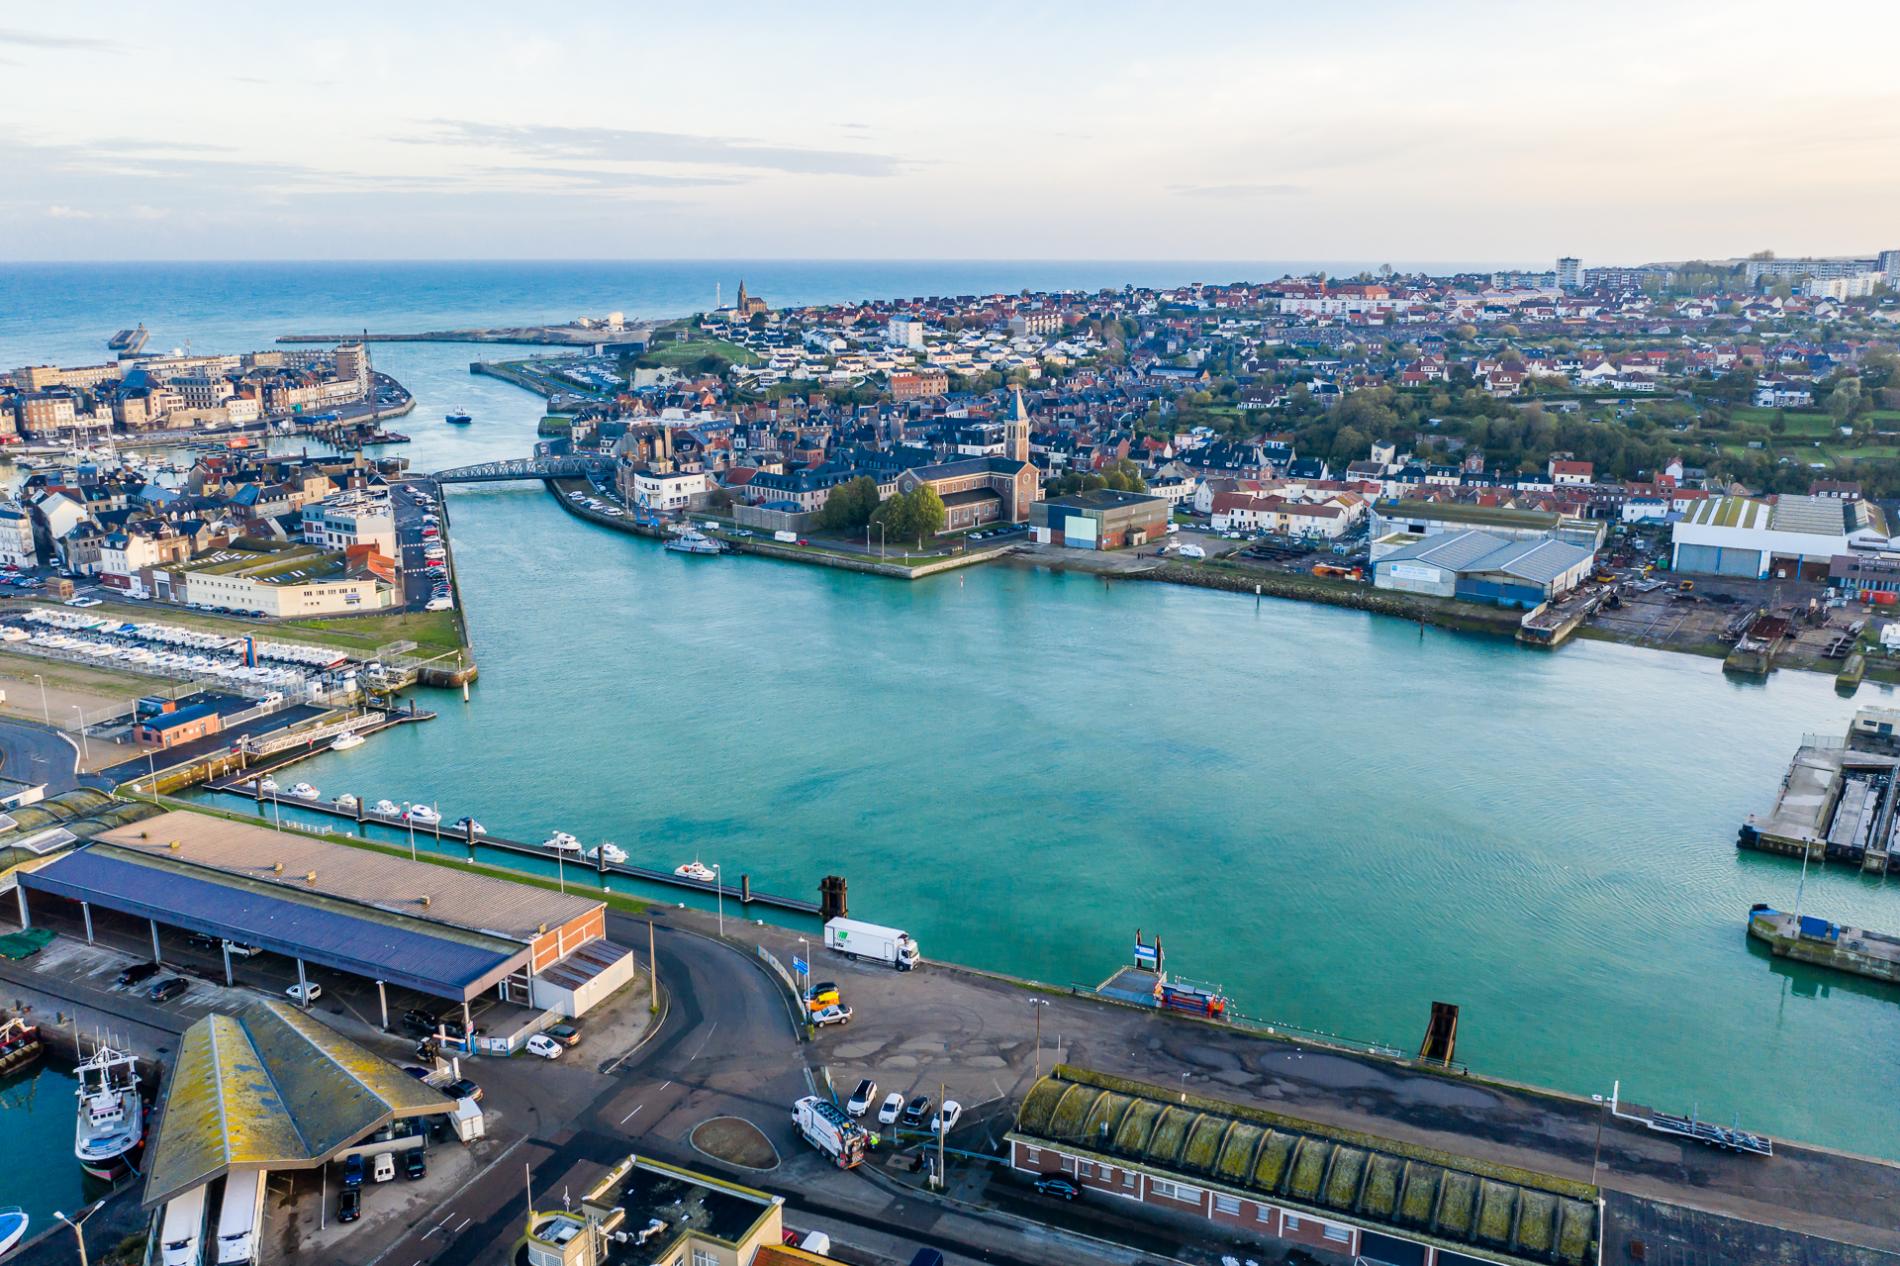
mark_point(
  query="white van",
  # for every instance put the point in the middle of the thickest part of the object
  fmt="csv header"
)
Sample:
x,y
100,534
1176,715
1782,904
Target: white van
x,y
1193,551
385,1168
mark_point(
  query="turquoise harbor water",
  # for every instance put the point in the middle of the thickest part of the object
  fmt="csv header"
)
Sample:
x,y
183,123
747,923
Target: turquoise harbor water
x,y
1333,816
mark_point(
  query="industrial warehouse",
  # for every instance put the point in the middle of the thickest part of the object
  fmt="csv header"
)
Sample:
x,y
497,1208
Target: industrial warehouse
x,y
1481,567
433,930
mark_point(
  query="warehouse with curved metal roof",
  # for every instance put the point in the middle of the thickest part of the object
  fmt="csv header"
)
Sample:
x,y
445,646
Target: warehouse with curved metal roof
x,y
1247,1168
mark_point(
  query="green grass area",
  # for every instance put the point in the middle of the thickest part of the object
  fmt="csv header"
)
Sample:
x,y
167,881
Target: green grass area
x,y
676,354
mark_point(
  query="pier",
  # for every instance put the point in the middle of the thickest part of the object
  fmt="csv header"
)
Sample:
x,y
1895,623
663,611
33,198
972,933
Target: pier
x,y
246,786
1839,800
1808,939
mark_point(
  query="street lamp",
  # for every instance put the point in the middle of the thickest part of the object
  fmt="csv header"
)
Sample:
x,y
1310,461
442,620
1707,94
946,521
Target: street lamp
x,y
1036,1005
85,748
719,892
45,709
1596,1157
804,959
1184,1078
76,1224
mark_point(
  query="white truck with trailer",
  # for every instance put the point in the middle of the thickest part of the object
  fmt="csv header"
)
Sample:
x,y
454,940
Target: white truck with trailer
x,y
892,946
827,1128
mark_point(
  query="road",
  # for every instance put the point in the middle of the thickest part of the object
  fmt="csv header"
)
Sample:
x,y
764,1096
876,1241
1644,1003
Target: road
x,y
727,1047
412,563
33,753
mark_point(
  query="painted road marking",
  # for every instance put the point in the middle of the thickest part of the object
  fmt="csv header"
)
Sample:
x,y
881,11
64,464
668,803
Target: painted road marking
x,y
631,1115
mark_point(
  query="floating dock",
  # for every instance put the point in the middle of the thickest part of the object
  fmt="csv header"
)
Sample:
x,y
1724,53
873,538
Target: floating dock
x,y
1810,940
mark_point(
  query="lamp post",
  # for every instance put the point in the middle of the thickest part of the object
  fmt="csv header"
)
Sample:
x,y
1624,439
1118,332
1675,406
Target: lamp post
x,y
411,823
1596,1156
45,709
1036,1005
1184,1078
804,957
719,894
85,748
76,1225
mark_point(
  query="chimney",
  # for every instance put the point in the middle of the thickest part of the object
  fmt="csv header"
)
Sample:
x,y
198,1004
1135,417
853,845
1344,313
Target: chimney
x,y
310,877
276,868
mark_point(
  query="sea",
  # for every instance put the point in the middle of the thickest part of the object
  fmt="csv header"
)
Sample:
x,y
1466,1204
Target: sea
x,y
1337,818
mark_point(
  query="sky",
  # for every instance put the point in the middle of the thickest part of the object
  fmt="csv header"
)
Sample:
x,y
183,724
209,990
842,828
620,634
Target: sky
x,y
1621,133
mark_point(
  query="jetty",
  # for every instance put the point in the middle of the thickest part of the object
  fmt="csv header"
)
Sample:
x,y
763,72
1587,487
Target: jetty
x,y
129,342
248,786
630,336
1808,939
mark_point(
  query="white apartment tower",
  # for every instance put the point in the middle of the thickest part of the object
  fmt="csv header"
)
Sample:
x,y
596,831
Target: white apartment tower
x,y
1570,272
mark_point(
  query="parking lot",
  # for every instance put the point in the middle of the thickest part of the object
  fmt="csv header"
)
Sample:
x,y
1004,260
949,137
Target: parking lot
x,y
423,564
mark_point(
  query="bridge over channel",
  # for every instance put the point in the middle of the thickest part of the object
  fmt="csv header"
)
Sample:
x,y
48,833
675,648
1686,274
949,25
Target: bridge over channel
x,y
581,467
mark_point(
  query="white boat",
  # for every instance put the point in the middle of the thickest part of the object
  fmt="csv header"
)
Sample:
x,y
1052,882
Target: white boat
x,y
268,786
695,870
344,742
111,1126
345,801
562,842
385,809
469,826
13,1224
423,815
612,854
304,791
691,542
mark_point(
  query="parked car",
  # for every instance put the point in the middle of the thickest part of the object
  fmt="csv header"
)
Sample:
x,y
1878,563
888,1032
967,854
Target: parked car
x,y
306,992
138,974
418,1022
1057,1188
354,1171
832,1015
822,995
565,1034
417,1071
166,990
860,1101
916,1113
385,1167
349,1203
242,951
198,940
946,1117
893,1105
463,1089
544,1046
414,1164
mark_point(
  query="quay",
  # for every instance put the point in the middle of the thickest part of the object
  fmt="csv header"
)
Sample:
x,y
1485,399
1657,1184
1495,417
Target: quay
x,y
1838,802
1808,939
246,786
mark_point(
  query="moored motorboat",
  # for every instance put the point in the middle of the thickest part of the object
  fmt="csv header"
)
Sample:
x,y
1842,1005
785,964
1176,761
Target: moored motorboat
x,y
691,542
346,801
695,870
304,791
268,786
562,842
469,826
19,1044
344,742
457,418
385,809
612,854
423,815
13,1224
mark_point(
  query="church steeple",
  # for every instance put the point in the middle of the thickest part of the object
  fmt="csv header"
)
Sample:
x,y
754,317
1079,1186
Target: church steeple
x,y
1016,429
739,307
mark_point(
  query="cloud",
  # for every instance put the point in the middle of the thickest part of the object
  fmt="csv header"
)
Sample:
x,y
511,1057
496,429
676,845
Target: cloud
x,y
548,141
36,39
1237,191
611,177
60,211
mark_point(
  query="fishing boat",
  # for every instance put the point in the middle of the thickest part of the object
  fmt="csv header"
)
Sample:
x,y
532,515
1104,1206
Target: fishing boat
x,y
562,842
423,815
344,742
458,418
691,542
612,854
13,1224
19,1044
695,870
111,1125
304,791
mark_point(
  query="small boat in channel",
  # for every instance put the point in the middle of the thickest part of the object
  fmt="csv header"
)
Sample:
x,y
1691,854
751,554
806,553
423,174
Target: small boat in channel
x,y
695,870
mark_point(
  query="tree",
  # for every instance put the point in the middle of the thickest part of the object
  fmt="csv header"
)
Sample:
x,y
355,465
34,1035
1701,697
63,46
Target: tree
x,y
850,505
912,515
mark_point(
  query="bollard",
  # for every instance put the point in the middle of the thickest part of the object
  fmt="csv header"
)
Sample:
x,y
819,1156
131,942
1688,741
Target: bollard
x,y
360,802
745,890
